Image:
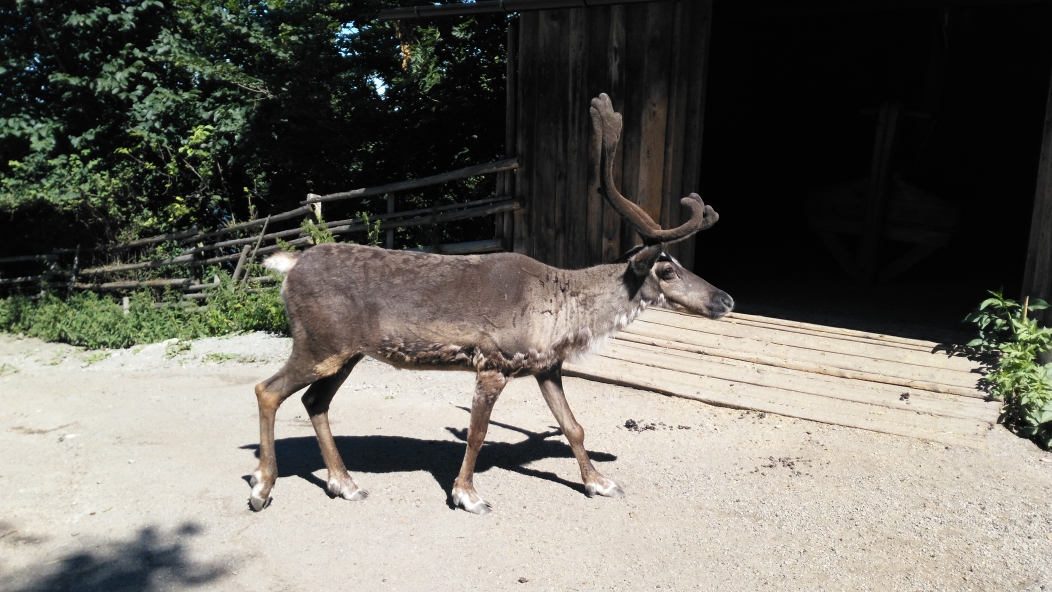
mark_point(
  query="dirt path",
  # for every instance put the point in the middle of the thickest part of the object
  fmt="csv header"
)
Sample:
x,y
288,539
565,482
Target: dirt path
x,y
130,472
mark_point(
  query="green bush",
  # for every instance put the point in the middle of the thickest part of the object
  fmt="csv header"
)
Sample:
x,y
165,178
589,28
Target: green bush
x,y
93,321
1013,342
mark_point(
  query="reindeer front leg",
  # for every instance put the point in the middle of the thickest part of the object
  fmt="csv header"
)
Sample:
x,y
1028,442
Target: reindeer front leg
x,y
595,483
488,386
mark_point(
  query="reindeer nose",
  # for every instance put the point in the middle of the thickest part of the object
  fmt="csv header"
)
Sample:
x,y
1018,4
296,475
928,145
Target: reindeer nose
x,y
726,300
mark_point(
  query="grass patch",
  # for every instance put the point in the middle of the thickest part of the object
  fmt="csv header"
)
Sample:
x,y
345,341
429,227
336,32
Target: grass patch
x,y
8,369
219,358
177,347
96,322
95,357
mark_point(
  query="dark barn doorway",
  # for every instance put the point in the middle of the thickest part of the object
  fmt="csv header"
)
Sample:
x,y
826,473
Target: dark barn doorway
x,y
784,116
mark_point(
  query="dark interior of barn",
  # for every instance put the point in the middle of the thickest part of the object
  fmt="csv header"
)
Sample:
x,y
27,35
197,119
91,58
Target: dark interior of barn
x,y
793,106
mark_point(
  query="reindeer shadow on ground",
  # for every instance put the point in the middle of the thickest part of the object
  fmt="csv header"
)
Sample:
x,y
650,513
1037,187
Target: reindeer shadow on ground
x,y
398,454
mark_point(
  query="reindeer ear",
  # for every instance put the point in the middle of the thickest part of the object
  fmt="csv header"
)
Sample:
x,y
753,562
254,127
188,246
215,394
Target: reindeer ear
x,y
645,259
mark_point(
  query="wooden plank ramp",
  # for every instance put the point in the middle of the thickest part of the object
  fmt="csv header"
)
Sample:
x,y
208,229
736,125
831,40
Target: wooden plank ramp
x,y
826,374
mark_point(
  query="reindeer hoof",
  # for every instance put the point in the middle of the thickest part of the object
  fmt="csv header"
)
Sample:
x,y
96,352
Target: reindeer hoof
x,y
258,503
480,508
347,489
259,499
356,496
471,502
604,487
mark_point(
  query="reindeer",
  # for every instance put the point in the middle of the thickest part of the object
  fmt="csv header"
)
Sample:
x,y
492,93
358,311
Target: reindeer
x,y
501,315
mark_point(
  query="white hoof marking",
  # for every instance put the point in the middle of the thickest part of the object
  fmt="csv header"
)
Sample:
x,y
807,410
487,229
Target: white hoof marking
x,y
480,507
257,500
340,490
606,489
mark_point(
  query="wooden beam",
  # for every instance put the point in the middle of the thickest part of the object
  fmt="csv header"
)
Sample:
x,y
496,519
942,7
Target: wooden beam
x,y
877,193
494,6
911,258
1037,275
507,164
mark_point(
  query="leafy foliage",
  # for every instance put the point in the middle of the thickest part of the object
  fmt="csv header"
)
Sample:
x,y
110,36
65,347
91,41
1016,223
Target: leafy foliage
x,y
318,233
94,321
373,236
124,118
1014,340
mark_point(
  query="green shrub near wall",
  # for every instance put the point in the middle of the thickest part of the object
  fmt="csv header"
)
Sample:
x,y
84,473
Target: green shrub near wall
x,y
1011,343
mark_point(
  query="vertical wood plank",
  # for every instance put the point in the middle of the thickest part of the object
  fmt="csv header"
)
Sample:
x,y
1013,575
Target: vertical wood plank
x,y
672,183
526,94
647,114
636,25
653,112
578,122
507,221
598,81
548,173
615,70
1037,276
694,116
559,116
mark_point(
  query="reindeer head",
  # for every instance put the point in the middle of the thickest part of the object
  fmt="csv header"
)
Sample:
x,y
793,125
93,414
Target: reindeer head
x,y
658,276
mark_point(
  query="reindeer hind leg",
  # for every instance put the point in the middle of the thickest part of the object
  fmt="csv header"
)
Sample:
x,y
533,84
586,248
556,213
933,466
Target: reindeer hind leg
x,y
316,400
300,370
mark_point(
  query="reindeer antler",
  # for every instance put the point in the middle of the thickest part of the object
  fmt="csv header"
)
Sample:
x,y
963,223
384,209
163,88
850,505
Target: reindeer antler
x,y
606,124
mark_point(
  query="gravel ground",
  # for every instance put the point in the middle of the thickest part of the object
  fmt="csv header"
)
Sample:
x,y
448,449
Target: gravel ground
x,y
127,470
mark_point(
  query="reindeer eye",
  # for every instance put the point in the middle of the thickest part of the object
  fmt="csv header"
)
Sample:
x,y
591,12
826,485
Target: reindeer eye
x,y
667,274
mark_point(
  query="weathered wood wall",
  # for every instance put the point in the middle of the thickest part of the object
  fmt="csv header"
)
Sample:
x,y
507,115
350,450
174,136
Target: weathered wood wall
x,y
652,61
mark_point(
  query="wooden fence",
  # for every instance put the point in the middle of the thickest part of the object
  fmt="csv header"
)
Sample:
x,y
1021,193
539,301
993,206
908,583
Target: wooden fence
x,y
240,244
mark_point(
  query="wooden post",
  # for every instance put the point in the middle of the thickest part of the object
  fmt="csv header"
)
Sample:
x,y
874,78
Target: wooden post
x,y
259,241
125,305
241,263
390,210
526,119
73,274
1037,276
504,222
876,196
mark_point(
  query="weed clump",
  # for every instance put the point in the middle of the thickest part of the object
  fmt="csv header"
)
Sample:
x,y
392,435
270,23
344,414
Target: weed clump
x,y
1011,342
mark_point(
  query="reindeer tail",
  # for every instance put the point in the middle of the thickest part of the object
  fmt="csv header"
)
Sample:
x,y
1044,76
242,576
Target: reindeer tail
x,y
282,262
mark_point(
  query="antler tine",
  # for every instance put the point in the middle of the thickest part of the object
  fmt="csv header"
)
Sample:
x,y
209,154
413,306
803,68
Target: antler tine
x,y
606,124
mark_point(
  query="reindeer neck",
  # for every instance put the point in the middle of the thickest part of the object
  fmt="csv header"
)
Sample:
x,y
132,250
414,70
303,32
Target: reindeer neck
x,y
589,305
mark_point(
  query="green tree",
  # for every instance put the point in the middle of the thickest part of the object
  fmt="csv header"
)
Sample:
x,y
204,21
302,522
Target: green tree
x,y
123,118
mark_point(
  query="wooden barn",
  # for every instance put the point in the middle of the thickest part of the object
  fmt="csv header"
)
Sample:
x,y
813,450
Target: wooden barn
x,y
869,157
877,166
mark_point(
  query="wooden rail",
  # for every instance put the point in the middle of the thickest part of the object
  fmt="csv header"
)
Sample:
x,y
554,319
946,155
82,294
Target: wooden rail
x,y
249,247
472,171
